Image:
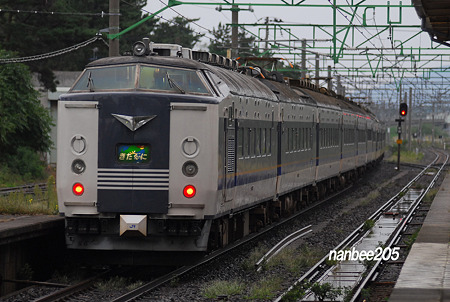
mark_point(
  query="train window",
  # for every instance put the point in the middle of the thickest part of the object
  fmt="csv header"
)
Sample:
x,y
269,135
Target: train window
x,y
257,141
171,79
240,140
248,142
106,78
252,142
263,141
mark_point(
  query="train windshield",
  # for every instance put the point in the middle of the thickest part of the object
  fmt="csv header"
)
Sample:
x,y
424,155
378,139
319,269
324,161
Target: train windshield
x,y
146,77
107,78
171,80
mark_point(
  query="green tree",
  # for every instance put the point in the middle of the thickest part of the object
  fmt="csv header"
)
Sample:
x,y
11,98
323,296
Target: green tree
x,y
30,33
177,31
24,123
222,42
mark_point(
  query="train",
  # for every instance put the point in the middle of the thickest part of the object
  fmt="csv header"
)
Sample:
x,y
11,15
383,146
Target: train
x,y
167,149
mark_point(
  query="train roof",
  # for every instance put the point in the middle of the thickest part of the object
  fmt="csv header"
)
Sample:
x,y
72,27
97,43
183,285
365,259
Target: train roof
x,y
241,82
156,60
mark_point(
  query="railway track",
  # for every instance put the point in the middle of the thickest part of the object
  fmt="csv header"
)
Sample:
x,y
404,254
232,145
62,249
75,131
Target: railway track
x,y
146,289
71,293
149,288
337,273
25,189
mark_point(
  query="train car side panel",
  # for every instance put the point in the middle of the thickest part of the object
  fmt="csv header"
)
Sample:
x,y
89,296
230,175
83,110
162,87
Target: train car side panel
x,y
77,156
193,150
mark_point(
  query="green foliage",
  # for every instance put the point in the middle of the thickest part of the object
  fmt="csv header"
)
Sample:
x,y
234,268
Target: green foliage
x,y
25,124
265,289
368,224
32,34
410,241
323,291
222,42
297,292
294,260
219,288
429,197
255,254
25,162
31,204
177,31
117,282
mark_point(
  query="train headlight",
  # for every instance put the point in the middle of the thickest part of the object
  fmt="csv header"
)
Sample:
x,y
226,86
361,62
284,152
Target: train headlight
x,y
190,168
78,189
139,49
78,166
189,191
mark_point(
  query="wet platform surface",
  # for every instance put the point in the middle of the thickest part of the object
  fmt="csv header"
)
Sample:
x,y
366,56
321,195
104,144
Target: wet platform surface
x,y
425,276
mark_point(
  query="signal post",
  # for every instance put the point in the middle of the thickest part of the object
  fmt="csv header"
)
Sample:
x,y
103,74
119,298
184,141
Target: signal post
x,y
403,111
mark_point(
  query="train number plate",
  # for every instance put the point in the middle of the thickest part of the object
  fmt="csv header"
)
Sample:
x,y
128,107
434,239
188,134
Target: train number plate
x,y
133,154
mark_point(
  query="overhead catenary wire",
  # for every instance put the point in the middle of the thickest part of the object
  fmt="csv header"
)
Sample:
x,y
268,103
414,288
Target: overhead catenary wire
x,y
51,54
20,11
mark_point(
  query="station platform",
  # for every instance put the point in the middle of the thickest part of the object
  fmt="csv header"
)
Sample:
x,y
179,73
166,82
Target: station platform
x,y
35,241
17,228
425,276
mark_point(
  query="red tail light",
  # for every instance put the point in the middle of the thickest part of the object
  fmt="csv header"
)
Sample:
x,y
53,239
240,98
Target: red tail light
x,y
189,191
78,189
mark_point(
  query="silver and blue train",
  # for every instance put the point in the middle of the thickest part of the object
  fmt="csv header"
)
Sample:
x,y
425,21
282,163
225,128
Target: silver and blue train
x,y
175,150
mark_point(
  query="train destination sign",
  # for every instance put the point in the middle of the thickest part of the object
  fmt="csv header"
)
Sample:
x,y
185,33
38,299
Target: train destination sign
x,y
133,154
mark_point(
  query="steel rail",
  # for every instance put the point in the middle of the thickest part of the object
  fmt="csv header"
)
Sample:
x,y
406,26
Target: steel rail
x,y
25,188
71,290
321,268
281,245
135,294
397,233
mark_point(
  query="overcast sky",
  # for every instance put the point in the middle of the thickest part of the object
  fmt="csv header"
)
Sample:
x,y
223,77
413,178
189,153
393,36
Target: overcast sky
x,y
210,17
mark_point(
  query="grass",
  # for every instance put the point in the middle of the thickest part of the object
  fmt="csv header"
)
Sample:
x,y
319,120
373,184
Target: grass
x,y
407,156
223,288
293,260
39,202
256,254
118,282
265,289
429,197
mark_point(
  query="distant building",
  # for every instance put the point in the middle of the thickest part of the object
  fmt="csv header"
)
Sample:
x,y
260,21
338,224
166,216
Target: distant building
x,y
49,100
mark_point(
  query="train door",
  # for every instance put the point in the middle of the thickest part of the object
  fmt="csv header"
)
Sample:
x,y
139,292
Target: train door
x,y
279,148
229,153
317,142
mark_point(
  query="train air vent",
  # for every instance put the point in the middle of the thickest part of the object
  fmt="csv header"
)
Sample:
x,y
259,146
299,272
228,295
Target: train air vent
x,y
230,155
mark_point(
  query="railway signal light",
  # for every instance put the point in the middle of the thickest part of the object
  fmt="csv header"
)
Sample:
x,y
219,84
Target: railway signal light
x,y
403,109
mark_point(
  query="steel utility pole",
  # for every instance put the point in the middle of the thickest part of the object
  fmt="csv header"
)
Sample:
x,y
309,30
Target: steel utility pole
x,y
234,30
303,72
114,13
409,119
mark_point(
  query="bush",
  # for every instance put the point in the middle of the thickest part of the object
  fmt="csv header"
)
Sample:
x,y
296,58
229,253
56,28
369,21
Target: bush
x,y
27,163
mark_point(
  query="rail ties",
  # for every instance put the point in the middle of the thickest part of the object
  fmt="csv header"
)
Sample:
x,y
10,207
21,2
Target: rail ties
x,y
281,245
69,291
25,189
321,272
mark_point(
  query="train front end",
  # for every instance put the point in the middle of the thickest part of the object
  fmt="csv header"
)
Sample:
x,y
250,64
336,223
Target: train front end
x,y
135,149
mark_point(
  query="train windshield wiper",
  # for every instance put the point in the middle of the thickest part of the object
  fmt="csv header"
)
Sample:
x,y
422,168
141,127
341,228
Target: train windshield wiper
x,y
90,83
173,84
